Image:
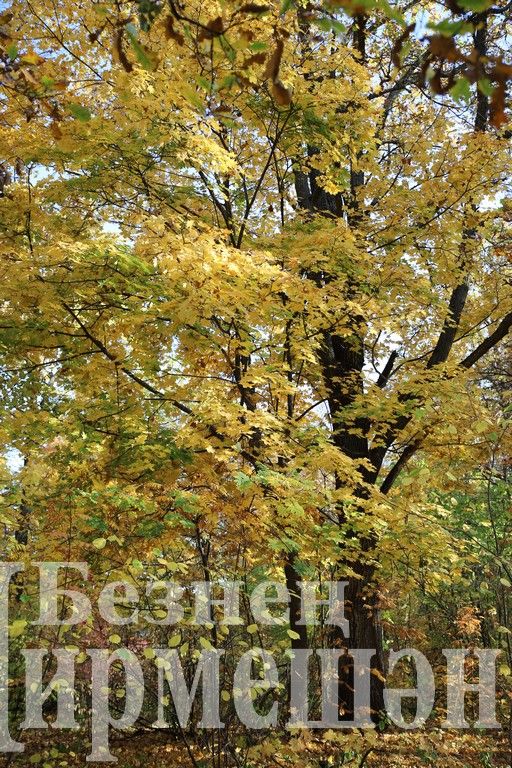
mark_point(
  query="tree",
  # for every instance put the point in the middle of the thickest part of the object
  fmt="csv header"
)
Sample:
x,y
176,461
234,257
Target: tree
x,y
247,279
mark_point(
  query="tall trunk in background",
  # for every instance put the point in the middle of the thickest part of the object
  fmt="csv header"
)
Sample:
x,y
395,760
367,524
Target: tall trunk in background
x,y
342,361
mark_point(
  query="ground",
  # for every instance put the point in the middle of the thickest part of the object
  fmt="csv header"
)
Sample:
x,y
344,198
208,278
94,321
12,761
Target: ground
x,y
160,750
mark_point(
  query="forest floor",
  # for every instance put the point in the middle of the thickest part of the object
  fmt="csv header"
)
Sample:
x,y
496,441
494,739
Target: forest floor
x,y
161,750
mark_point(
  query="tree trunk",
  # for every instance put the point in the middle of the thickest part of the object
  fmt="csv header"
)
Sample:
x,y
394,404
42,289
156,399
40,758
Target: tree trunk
x,y
362,613
342,362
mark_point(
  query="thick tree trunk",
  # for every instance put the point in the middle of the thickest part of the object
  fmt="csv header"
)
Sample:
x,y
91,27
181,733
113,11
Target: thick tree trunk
x,y
342,362
362,613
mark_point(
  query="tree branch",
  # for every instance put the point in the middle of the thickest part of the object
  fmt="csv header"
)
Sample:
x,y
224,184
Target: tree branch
x,y
387,370
395,470
137,379
487,344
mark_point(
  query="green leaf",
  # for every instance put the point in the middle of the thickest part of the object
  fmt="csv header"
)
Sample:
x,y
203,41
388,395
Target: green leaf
x,y
391,12
449,28
48,82
97,522
227,48
227,82
205,83
132,30
292,634
143,56
79,112
330,25
242,481
150,529
485,86
258,46
461,91
474,5
100,543
12,51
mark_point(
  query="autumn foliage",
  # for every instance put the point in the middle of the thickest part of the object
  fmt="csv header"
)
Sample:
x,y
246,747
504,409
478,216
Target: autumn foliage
x,y
255,305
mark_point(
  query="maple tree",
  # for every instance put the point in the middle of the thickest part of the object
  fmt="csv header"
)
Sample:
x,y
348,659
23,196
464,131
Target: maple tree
x,y
252,273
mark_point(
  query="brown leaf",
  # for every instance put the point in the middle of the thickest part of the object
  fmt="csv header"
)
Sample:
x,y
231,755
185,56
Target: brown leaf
x,y
422,76
53,110
274,62
281,94
378,674
56,131
246,82
171,33
118,52
256,58
443,48
29,77
399,44
474,56
94,36
436,83
216,25
254,8
213,28
503,70
497,104
472,74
